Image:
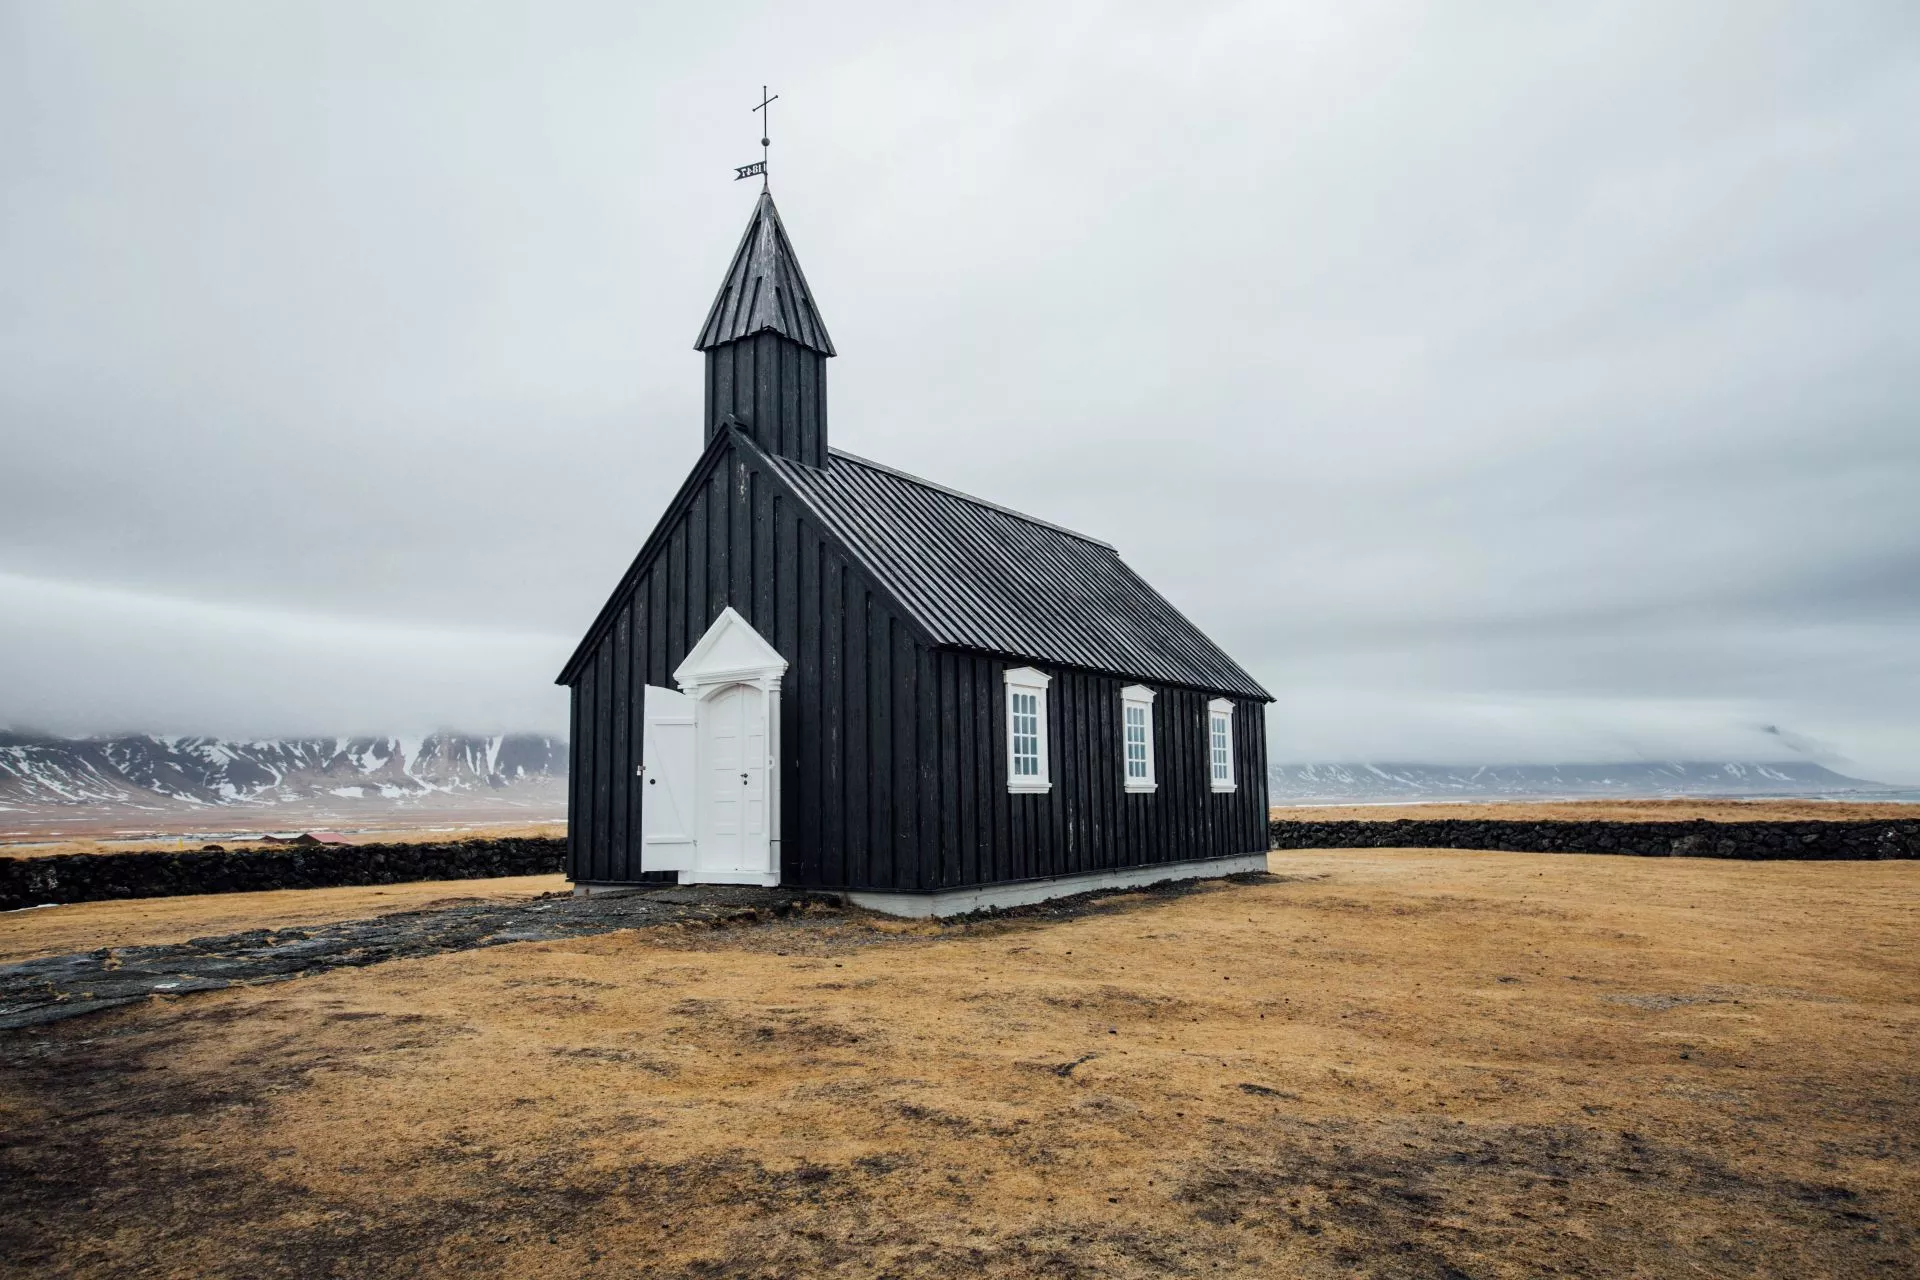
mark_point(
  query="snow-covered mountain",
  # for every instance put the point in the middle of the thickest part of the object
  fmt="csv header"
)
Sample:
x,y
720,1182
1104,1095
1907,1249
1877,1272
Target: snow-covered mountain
x,y
173,773
141,771
1327,783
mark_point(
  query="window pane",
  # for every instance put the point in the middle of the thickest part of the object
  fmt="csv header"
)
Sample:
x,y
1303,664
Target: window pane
x,y
1136,742
1024,730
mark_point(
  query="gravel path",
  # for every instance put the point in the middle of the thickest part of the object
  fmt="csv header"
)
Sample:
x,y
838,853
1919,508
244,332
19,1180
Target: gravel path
x,y
47,990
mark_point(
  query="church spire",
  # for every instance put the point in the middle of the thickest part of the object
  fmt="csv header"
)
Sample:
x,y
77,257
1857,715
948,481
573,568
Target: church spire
x,y
766,346
765,290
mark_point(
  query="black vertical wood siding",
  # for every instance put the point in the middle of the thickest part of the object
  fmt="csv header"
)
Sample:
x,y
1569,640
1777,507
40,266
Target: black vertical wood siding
x,y
777,389
736,537
1088,822
893,752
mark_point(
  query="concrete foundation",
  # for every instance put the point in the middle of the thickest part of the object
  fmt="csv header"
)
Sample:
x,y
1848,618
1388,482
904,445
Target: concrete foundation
x,y
610,890
955,902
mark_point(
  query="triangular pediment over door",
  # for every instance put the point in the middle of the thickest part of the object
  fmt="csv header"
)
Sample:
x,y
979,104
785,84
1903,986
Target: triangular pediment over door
x,y
730,652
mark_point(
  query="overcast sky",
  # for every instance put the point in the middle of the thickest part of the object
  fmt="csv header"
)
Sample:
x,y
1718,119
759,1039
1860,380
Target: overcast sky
x,y
1497,381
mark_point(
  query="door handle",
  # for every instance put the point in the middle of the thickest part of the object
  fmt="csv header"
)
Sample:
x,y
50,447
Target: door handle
x,y
743,779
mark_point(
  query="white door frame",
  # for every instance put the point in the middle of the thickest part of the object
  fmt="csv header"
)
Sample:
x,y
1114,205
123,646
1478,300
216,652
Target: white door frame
x,y
733,653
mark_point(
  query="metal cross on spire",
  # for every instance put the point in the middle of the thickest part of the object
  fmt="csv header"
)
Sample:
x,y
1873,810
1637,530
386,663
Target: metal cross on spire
x,y
759,169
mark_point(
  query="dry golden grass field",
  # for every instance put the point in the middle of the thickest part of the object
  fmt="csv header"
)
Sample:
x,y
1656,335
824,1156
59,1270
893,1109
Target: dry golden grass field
x,y
1387,1063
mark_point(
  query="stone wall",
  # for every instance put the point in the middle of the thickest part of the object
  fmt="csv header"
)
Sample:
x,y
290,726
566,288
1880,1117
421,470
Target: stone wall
x,y
1696,839
27,882
95,877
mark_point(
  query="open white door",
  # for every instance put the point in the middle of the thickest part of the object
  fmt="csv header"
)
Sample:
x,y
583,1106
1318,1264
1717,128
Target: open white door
x,y
668,811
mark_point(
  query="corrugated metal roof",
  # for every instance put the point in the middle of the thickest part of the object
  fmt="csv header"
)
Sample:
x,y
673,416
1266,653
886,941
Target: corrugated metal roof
x,y
980,576
765,290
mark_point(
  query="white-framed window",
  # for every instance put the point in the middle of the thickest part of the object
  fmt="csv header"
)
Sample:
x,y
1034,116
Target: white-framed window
x,y
1027,730
1136,738
1220,744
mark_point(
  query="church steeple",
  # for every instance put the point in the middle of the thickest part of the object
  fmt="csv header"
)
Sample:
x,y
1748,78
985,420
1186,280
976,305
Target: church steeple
x,y
766,347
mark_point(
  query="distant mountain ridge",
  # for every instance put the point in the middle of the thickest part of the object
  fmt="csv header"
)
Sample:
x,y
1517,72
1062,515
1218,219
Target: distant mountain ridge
x,y
154,772
169,772
1296,783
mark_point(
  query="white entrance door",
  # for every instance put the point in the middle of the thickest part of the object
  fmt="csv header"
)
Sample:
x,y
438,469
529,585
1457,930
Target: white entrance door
x,y
734,830
666,781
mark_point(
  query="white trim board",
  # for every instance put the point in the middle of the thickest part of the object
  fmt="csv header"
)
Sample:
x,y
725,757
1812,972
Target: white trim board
x,y
1020,893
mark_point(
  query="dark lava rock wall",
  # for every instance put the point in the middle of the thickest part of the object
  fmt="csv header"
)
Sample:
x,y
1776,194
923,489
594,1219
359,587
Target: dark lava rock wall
x,y
1696,839
95,877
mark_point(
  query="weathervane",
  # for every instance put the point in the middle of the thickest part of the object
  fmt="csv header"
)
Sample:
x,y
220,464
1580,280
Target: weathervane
x,y
759,167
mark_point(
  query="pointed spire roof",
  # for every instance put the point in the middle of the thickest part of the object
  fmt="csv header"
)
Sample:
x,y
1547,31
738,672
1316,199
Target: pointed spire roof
x,y
765,290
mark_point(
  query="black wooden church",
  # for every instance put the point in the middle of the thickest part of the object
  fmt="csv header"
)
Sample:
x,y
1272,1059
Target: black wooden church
x,y
823,672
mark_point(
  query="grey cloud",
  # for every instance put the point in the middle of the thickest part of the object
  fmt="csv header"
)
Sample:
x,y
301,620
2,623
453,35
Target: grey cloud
x,y
1528,380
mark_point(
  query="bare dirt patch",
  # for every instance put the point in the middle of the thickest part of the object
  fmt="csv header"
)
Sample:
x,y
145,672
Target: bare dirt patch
x,y
1399,1064
1604,811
